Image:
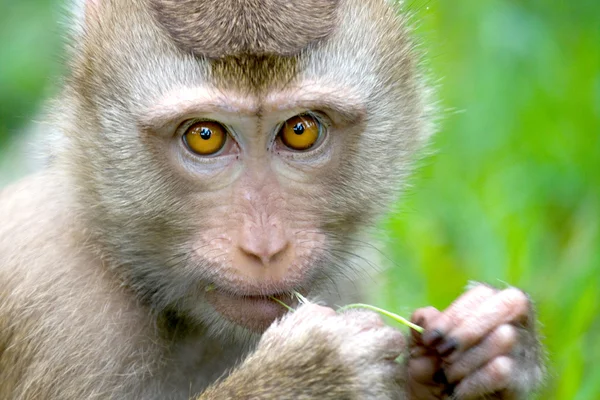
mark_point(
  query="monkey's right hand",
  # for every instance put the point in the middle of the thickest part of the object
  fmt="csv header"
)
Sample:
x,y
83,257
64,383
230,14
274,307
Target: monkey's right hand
x,y
314,353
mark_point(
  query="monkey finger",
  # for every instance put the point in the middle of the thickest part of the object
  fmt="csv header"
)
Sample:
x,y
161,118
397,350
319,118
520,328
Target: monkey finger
x,y
421,391
391,342
417,351
499,342
310,312
423,317
492,378
315,309
454,315
506,306
423,369
376,345
366,319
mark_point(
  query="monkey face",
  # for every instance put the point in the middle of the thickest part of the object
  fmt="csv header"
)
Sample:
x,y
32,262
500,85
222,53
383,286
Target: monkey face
x,y
255,175
250,173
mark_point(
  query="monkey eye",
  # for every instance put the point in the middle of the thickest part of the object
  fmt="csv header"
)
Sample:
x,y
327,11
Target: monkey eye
x,y
300,132
205,137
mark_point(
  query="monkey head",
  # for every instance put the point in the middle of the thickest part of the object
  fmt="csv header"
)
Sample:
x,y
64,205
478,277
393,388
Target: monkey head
x,y
233,150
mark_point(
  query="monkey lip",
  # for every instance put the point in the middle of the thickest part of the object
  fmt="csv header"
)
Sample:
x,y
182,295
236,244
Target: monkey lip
x,y
255,312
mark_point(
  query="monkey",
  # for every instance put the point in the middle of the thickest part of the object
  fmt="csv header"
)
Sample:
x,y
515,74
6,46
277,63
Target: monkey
x,y
205,158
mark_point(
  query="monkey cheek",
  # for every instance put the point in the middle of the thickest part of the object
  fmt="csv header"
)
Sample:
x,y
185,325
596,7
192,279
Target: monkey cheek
x,y
255,313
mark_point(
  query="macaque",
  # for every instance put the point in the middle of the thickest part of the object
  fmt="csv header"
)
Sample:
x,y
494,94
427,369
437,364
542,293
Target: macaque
x,y
206,156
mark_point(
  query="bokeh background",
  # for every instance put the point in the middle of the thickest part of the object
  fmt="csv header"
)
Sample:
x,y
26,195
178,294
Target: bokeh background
x,y
510,192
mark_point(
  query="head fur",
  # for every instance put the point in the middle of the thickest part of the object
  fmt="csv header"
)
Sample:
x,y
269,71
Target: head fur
x,y
228,28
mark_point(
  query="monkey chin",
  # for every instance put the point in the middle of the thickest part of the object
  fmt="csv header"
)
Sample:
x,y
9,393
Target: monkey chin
x,y
255,313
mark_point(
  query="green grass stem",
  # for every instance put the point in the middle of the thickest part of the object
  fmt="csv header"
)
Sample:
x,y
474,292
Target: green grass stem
x,y
290,309
393,316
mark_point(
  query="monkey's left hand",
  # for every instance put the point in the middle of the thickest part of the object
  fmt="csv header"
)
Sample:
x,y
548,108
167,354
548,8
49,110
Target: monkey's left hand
x,y
483,346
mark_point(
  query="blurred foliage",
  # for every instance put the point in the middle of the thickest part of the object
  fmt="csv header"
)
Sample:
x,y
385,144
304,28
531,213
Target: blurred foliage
x,y
511,194
29,53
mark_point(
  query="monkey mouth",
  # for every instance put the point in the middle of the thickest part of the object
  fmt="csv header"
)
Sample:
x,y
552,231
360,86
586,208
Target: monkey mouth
x,y
254,312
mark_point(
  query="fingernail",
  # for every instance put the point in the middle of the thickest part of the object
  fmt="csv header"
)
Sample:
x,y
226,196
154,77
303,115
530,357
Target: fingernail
x,y
432,337
440,377
447,347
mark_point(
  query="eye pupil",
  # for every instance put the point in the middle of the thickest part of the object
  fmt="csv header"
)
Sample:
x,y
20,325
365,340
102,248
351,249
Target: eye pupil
x,y
299,128
205,133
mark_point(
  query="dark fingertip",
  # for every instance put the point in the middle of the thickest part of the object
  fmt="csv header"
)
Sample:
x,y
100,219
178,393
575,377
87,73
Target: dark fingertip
x,y
447,347
432,337
440,377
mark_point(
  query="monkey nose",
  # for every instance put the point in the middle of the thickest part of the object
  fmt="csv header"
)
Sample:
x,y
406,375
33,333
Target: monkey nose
x,y
265,245
266,251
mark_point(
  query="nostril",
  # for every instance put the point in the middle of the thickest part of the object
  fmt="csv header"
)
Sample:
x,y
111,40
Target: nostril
x,y
265,251
254,257
279,252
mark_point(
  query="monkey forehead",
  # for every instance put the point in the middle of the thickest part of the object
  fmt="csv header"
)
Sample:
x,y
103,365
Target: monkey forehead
x,y
126,61
220,28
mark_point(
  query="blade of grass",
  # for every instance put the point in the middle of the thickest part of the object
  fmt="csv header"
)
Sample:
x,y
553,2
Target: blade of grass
x,y
301,298
393,316
282,303
389,314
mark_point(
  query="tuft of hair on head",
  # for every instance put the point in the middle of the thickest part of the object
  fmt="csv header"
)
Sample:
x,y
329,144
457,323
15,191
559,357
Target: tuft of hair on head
x,y
217,28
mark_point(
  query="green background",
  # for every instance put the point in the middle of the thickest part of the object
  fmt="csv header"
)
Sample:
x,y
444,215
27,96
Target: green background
x,y
511,193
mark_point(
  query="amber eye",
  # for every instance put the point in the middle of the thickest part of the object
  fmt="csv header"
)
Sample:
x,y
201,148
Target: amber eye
x,y
205,137
300,132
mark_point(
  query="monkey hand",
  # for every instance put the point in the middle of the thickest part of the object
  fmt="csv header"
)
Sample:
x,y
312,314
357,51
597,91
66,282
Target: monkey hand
x,y
316,353
484,346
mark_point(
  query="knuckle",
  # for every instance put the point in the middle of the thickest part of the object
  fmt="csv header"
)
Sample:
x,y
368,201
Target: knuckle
x,y
315,309
393,337
425,316
482,288
418,314
515,295
376,345
516,299
305,316
366,319
505,337
456,371
425,311
422,368
500,369
389,347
